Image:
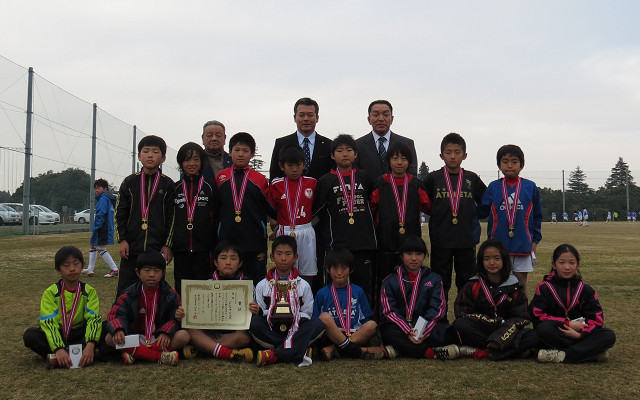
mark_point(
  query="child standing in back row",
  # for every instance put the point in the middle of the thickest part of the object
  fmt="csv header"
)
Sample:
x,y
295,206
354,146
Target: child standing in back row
x,y
567,314
515,212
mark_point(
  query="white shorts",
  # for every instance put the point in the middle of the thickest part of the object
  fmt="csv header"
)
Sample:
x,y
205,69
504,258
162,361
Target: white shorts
x,y
101,247
521,264
307,263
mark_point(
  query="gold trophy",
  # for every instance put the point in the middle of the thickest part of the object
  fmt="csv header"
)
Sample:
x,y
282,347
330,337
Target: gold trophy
x,y
282,314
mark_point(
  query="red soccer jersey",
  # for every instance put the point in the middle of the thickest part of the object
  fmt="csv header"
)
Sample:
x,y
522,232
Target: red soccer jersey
x,y
278,198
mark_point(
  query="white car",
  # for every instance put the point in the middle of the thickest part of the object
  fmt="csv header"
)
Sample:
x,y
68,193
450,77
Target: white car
x,y
9,216
46,216
82,217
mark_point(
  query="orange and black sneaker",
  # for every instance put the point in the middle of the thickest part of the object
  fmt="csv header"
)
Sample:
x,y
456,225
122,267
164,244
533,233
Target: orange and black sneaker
x,y
266,357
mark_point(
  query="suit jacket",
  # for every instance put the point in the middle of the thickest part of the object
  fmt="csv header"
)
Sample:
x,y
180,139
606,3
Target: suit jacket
x,y
369,160
321,161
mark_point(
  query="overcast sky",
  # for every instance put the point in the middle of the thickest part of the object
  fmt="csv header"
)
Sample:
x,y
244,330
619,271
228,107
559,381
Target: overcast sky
x,y
559,78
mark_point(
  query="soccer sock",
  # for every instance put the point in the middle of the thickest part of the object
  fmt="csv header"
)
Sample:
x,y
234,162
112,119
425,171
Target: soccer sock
x,y
222,352
154,347
430,353
144,353
93,256
107,258
350,349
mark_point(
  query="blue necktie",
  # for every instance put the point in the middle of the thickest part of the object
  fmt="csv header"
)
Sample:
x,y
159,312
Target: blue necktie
x,y
381,149
307,154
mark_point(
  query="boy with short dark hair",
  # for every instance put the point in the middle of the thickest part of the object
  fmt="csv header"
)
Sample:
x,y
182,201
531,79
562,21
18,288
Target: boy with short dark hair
x,y
413,316
150,309
283,323
69,314
144,210
292,197
342,205
454,228
243,207
515,211
102,230
345,312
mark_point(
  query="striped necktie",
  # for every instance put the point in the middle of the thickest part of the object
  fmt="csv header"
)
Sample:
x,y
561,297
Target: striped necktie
x,y
307,154
382,151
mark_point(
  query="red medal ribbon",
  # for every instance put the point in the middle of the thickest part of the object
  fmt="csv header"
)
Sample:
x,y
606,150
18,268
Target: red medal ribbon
x,y
345,320
144,204
292,213
67,320
238,199
349,200
571,302
489,297
454,198
414,294
401,206
150,317
191,206
511,209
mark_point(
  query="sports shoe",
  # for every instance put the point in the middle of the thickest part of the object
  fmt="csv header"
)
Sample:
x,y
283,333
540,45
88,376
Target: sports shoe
x,y
128,359
372,353
88,272
266,357
602,357
472,352
169,358
551,355
390,351
189,351
449,352
245,355
329,352
52,361
112,274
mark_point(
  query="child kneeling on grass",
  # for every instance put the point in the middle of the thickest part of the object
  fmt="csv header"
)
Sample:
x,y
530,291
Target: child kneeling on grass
x,y
345,312
226,345
491,309
283,324
151,309
567,315
69,314
414,308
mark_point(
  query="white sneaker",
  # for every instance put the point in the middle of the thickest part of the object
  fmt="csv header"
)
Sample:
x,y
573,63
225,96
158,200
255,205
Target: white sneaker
x,y
551,356
449,352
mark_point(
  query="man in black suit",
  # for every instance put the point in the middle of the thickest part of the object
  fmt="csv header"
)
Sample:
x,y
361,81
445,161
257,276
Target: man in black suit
x,y
317,148
372,147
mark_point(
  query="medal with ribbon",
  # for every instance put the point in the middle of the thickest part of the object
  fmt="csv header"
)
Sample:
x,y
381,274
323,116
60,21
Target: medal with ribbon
x,y
67,319
409,306
345,320
489,296
292,212
454,197
571,302
150,316
191,205
401,205
349,198
144,204
511,209
238,199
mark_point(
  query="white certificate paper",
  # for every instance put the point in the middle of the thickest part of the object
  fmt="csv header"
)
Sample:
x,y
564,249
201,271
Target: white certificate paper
x,y
419,327
222,305
129,341
75,353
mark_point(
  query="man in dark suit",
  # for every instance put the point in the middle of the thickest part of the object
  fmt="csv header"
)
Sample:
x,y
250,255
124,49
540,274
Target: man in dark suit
x,y
317,148
372,147
213,139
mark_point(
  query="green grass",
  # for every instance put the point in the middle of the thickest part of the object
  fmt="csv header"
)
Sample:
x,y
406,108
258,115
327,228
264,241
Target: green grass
x,y
610,263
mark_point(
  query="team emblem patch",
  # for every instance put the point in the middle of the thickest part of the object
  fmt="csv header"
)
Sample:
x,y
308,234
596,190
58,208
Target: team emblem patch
x,y
309,193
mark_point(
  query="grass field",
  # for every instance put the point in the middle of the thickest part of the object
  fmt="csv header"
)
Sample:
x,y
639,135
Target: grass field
x,y
610,263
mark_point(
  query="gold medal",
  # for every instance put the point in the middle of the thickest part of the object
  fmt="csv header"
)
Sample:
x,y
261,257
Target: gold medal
x,y
144,226
283,328
511,234
292,234
238,218
402,230
351,221
454,221
189,226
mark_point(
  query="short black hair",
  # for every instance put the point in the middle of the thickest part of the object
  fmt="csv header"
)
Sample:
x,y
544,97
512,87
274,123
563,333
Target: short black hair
x,y
504,255
400,149
225,245
453,138
243,138
414,243
291,154
101,183
343,139
339,256
373,103
151,259
187,151
512,150
66,252
306,101
285,240
153,141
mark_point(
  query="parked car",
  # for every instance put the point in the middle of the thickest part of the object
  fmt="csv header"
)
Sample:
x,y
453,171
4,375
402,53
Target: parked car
x,y
82,217
9,216
46,216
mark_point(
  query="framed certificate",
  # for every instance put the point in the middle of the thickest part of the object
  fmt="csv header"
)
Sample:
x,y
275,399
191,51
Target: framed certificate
x,y
221,305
